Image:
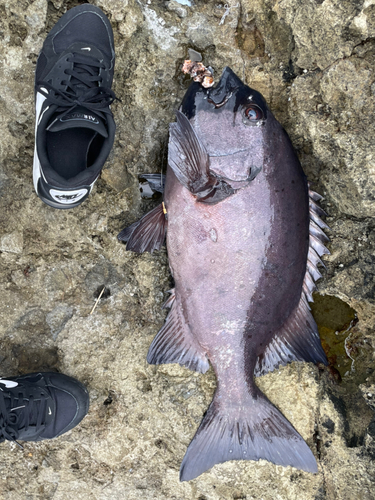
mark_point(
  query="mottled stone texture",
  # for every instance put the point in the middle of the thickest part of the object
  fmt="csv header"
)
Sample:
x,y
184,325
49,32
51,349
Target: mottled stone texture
x,y
314,62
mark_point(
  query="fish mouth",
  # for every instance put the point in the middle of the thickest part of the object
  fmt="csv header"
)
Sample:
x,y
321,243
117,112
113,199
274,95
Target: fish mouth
x,y
221,103
226,87
229,93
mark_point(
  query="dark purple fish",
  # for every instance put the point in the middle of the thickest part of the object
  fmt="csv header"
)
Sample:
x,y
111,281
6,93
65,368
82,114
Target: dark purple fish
x,y
244,239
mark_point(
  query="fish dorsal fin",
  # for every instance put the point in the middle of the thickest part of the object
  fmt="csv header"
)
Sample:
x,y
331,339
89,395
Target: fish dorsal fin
x,y
148,233
190,163
175,343
299,339
317,246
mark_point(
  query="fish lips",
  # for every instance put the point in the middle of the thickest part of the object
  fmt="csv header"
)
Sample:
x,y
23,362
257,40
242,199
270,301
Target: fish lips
x,y
230,89
223,91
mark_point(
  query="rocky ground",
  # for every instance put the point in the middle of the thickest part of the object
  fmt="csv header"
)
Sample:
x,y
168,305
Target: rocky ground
x,y
313,60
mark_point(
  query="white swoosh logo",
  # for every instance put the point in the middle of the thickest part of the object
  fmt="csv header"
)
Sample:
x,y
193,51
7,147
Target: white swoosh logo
x,y
9,384
86,48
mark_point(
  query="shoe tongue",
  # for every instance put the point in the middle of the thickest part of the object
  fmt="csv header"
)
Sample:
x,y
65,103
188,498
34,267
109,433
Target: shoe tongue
x,y
78,118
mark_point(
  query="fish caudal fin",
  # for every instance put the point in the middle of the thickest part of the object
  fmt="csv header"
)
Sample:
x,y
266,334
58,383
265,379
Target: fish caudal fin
x,y
247,432
147,234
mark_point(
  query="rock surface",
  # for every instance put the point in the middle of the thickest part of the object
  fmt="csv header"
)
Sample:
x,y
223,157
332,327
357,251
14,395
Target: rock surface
x,y
313,60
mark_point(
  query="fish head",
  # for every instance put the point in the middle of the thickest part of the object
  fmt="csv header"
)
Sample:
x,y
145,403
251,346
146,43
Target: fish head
x,y
229,120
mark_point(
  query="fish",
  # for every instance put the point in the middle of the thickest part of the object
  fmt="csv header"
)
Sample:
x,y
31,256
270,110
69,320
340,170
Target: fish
x,y
245,236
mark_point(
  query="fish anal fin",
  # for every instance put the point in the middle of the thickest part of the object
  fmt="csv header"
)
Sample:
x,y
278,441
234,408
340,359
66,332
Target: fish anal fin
x,y
297,340
252,431
147,234
190,163
175,343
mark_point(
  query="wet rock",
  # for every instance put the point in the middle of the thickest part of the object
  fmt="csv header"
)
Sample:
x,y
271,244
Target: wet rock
x,y
102,274
176,7
12,243
58,317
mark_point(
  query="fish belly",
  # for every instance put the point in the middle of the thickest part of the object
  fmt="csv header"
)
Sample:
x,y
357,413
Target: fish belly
x,y
222,259
216,255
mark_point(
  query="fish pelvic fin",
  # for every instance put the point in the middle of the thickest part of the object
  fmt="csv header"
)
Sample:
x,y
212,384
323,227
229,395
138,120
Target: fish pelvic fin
x,y
190,162
175,343
297,340
252,431
147,234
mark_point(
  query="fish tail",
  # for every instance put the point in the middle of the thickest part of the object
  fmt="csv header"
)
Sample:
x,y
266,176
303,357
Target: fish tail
x,y
251,431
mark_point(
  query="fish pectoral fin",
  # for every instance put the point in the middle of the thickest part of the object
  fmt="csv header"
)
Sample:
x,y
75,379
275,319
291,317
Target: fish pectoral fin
x,y
147,234
190,163
297,340
175,343
187,156
249,430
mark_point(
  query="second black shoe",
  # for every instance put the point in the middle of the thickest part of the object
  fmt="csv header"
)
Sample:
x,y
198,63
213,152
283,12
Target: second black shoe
x,y
74,129
40,406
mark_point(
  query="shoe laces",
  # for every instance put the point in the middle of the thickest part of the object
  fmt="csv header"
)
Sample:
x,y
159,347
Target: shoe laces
x,y
18,413
82,89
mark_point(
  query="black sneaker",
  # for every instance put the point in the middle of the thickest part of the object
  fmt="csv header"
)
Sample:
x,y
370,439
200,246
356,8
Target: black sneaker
x,y
74,130
40,406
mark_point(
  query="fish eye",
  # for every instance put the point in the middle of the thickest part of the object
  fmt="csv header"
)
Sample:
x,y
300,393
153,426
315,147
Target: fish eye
x,y
253,113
